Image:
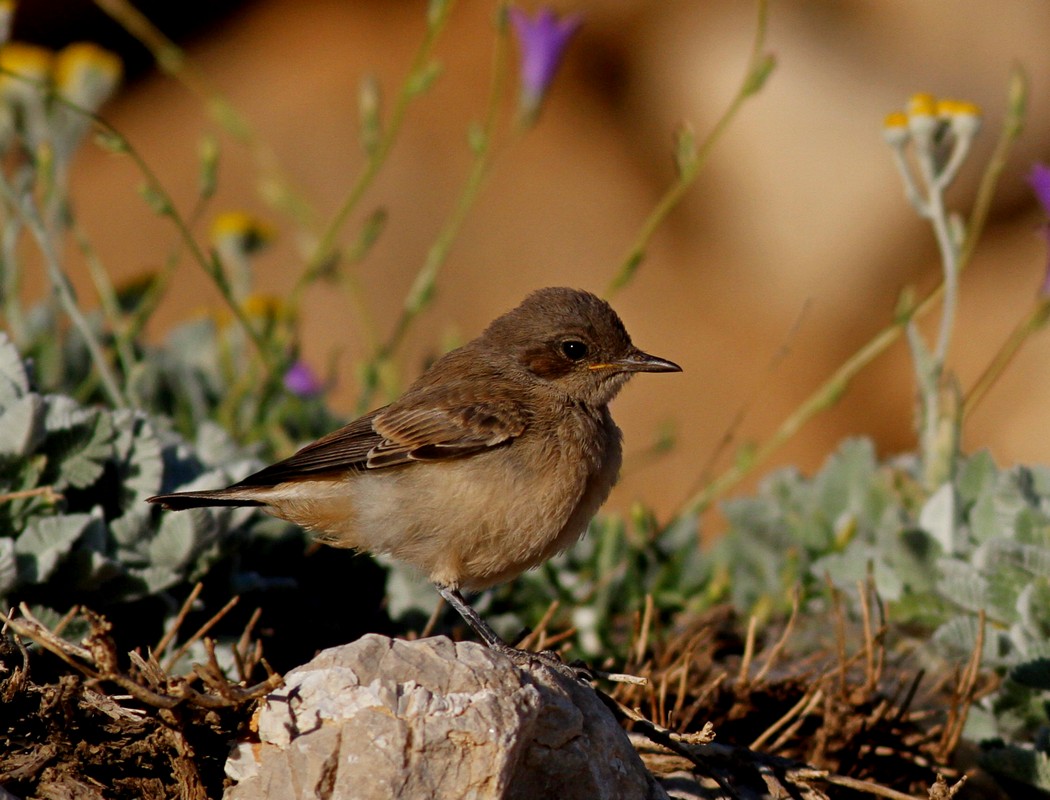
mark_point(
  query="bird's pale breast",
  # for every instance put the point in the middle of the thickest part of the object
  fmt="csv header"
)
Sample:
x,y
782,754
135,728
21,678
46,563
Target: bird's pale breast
x,y
479,520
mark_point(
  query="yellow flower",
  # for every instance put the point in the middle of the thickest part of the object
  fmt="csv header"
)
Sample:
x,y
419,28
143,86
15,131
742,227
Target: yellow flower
x,y
240,232
922,104
87,75
953,108
25,74
22,66
895,119
895,128
264,306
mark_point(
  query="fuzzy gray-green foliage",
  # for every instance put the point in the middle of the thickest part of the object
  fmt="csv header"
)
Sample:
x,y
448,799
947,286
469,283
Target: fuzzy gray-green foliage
x,y
75,479
980,542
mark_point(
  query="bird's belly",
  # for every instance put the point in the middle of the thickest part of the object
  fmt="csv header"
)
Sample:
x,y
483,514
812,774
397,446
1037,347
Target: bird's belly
x,y
469,524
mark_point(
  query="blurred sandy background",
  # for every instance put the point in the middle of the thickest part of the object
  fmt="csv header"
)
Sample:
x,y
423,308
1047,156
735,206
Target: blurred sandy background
x,y
788,254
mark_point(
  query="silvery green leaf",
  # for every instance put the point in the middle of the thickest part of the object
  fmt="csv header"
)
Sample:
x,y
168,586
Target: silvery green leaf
x,y
1032,527
981,724
1003,588
999,554
844,482
21,425
131,530
977,476
78,442
46,541
680,535
940,518
958,637
995,512
961,583
139,456
14,381
914,552
852,565
153,580
180,536
64,413
1033,605
214,444
1024,644
8,567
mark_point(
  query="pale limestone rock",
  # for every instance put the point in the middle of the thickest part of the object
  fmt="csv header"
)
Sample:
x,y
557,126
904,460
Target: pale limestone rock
x,y
382,718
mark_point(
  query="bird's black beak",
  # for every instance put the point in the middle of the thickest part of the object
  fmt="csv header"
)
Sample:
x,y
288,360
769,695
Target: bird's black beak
x,y
637,361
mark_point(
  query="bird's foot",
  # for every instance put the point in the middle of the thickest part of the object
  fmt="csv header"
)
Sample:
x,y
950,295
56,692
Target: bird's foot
x,y
577,670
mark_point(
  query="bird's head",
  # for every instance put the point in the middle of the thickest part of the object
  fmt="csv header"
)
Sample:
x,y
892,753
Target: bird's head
x,y
575,341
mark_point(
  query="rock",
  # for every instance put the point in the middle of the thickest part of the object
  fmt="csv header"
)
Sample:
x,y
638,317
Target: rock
x,y
382,718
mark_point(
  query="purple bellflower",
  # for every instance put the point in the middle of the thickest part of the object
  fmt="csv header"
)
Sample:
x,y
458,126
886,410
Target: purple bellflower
x,y
302,381
1039,180
542,40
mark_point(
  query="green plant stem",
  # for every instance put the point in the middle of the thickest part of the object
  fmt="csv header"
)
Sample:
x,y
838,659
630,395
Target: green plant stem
x,y
209,265
949,260
759,66
172,60
421,292
63,289
123,343
1035,321
826,395
326,246
11,287
140,316
822,399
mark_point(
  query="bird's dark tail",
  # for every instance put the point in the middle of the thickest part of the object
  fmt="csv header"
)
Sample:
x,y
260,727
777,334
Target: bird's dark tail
x,y
220,497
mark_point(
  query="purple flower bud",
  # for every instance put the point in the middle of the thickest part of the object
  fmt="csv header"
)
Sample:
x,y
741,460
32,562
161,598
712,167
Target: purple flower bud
x,y
1039,180
301,380
542,40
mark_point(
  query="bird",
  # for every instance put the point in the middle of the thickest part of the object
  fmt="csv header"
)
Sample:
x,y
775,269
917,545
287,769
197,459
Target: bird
x,y
492,461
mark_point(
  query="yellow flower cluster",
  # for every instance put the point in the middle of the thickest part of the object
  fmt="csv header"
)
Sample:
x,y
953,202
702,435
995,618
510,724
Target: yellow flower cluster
x,y
82,73
927,115
46,98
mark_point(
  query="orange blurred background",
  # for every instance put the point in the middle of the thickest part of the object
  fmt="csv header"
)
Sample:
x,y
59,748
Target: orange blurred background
x,y
787,255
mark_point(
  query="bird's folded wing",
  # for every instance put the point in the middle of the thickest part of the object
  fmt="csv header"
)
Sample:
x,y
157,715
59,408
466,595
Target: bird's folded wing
x,y
431,432
346,448
391,436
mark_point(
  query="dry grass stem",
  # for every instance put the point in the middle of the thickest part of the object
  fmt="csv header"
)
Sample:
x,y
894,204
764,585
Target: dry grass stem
x,y
641,644
749,652
201,631
170,634
781,643
147,682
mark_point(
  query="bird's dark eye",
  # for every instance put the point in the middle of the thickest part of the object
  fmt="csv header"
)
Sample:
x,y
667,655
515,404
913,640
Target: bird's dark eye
x,y
574,350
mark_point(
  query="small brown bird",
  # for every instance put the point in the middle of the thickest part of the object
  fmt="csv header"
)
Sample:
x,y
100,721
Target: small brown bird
x,y
495,459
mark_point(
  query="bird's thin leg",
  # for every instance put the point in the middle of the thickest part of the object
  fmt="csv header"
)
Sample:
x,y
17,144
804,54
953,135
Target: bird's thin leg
x,y
473,619
495,642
